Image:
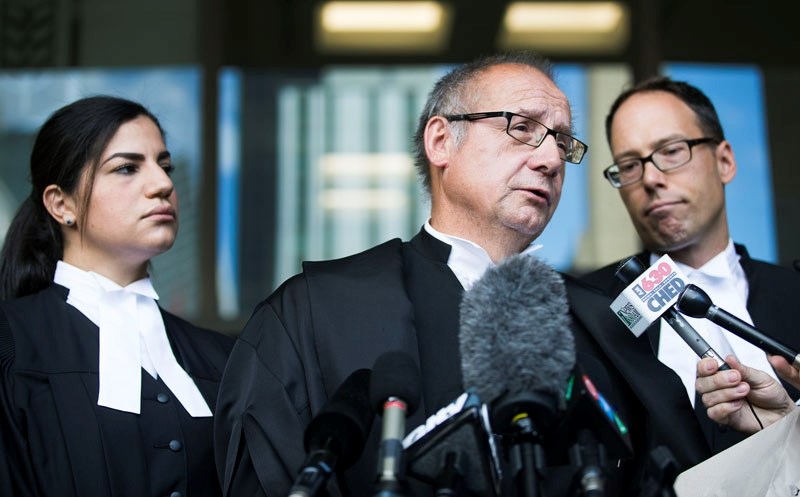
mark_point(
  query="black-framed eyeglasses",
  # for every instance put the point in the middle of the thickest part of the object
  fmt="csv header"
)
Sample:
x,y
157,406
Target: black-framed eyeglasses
x,y
531,132
667,157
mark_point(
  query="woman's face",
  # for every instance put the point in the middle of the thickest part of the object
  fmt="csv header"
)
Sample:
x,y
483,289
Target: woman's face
x,y
133,210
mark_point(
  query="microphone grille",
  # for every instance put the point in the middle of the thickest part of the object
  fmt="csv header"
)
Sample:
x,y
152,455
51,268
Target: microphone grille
x,y
629,269
515,330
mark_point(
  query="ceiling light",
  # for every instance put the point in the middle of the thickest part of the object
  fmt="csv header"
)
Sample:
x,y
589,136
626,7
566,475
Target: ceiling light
x,y
367,165
566,27
362,199
370,27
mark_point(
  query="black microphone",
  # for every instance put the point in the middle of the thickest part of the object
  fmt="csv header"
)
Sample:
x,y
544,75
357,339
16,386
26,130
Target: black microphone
x,y
454,451
694,302
394,392
628,271
517,351
335,437
590,435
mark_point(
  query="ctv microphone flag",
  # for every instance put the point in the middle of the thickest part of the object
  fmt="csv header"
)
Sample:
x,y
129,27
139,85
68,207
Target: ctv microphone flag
x,y
461,428
649,295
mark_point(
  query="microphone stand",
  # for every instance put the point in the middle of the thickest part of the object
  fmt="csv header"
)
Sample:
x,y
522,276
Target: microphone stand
x,y
523,416
316,472
527,459
450,480
662,470
589,457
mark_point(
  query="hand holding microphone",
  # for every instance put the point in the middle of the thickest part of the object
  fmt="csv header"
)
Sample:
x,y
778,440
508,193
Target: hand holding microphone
x,y
724,398
785,370
720,393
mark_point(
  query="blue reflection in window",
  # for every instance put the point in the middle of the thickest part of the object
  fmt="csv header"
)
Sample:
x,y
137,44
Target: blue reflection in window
x,y
561,239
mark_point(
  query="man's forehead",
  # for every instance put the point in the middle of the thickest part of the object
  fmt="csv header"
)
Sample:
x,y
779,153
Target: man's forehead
x,y
524,90
650,119
516,77
655,107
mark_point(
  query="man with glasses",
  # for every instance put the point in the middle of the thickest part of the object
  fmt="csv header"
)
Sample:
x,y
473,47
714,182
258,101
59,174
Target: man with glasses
x,y
492,145
530,132
672,163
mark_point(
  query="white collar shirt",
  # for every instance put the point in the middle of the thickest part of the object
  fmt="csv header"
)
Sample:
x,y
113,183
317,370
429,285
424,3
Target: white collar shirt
x,y
467,259
132,337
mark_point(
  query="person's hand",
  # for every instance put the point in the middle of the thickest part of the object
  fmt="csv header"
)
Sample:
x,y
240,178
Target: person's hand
x,y
724,393
785,370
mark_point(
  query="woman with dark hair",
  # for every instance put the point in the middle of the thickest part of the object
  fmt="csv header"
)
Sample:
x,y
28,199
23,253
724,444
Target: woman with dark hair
x,y
102,393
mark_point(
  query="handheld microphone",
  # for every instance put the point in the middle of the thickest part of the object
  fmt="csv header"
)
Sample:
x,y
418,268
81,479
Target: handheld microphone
x,y
395,393
454,451
335,437
517,351
632,270
695,302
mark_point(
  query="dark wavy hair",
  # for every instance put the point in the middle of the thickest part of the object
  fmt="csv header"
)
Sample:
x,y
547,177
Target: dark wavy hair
x,y
67,145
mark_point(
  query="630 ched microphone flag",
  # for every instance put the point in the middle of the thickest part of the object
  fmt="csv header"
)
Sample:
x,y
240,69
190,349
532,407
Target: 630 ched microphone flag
x,y
649,295
653,293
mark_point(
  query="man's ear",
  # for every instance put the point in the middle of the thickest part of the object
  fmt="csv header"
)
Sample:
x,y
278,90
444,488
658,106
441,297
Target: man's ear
x,y
60,205
437,140
726,162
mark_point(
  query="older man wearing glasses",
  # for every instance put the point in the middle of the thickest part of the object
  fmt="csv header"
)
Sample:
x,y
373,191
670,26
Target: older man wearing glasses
x,y
492,145
672,163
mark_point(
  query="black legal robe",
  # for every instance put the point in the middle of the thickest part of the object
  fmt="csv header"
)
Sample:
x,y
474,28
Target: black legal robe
x,y
58,442
338,316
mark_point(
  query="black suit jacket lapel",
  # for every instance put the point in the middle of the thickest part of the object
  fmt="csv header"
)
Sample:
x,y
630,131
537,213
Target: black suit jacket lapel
x,y
83,422
435,293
